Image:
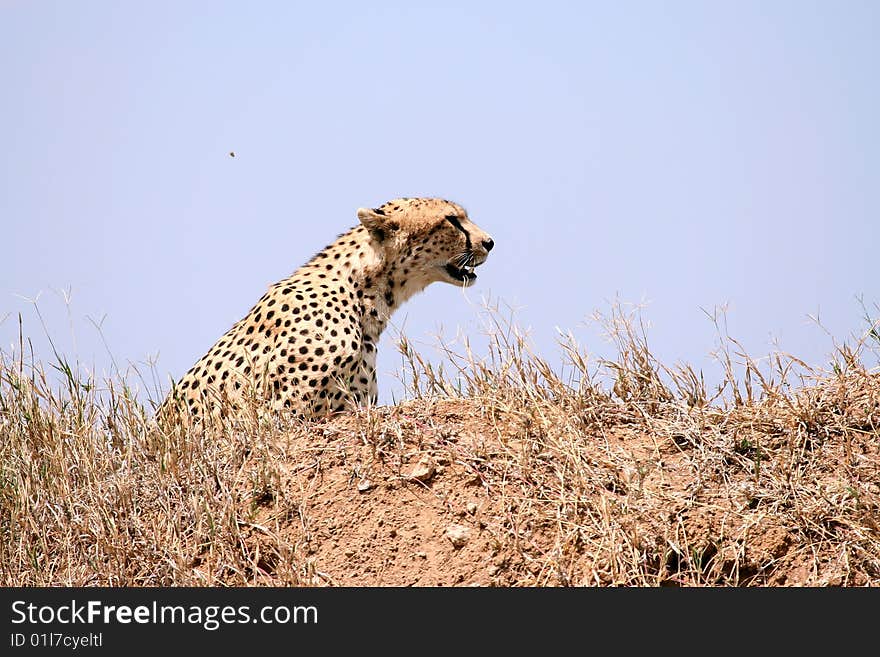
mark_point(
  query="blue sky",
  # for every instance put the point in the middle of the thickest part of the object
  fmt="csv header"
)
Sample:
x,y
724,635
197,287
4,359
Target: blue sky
x,y
682,154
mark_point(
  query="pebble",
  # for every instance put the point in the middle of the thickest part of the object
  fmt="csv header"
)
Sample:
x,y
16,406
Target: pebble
x,y
458,535
424,469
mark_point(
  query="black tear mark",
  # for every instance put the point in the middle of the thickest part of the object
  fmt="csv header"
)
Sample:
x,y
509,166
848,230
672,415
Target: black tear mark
x,y
379,211
451,218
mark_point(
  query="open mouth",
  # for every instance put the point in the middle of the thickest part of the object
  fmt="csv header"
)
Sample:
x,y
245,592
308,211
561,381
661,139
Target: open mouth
x,y
463,274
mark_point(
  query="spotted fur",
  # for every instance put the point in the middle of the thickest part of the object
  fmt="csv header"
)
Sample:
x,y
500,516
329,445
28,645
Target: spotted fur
x,y
309,344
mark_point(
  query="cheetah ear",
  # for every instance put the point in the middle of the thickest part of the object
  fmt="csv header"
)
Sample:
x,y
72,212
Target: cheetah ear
x,y
375,221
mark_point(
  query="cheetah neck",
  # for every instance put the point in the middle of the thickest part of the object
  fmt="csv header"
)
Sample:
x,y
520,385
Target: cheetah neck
x,y
376,277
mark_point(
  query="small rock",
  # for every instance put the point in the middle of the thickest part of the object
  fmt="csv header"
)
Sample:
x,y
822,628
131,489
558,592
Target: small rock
x,y
421,555
364,485
491,571
424,469
458,534
471,508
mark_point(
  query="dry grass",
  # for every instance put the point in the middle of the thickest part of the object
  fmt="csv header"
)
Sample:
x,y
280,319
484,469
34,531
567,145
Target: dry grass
x,y
618,472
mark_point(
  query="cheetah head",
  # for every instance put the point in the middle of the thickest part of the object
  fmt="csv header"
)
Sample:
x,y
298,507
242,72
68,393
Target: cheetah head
x,y
432,238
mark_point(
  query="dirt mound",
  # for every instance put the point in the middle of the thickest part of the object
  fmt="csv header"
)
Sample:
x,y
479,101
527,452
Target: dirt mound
x,y
453,493
507,474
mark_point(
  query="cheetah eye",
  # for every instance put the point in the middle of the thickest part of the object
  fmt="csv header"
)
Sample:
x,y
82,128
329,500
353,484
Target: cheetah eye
x,y
451,218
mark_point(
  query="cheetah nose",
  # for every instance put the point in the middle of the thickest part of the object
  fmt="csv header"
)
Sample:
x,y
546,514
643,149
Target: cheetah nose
x,y
488,244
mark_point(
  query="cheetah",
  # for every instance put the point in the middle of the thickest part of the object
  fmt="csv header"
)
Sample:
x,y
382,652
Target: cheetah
x,y
308,346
